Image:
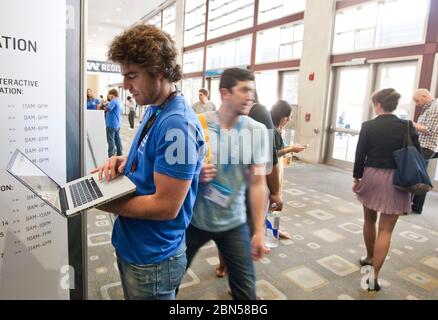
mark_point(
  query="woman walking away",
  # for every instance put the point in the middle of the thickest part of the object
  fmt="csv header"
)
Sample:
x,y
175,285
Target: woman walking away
x,y
373,175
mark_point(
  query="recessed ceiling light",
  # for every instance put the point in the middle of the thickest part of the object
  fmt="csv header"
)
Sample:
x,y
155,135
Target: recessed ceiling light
x,y
100,28
118,9
108,20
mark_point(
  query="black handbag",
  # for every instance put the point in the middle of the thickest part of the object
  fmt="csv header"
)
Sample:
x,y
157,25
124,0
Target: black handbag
x,y
411,173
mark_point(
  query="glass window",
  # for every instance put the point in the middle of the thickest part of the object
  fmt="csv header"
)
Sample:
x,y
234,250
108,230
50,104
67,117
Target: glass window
x,y
194,22
267,87
289,86
355,28
379,24
169,16
215,95
193,60
407,26
190,89
345,146
236,52
268,43
280,43
275,9
344,42
345,21
155,20
366,16
243,51
225,17
364,39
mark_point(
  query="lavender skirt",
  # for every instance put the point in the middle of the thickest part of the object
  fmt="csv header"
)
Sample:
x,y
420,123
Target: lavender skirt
x,y
376,192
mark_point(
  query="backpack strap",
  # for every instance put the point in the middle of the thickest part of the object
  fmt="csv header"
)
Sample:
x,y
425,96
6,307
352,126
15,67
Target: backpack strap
x,y
203,120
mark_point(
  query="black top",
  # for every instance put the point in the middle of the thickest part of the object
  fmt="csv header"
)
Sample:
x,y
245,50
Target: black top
x,y
378,138
279,143
260,114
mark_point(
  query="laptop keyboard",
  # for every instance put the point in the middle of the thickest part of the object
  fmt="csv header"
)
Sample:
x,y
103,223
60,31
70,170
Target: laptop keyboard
x,y
84,191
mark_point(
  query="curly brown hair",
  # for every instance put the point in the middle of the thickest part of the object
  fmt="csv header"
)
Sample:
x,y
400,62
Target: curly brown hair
x,y
148,47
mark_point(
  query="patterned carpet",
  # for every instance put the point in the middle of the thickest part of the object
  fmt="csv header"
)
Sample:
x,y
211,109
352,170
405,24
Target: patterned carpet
x,y
321,259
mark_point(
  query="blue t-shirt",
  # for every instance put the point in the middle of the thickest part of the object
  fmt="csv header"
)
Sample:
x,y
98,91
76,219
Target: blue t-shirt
x,y
113,114
92,103
174,146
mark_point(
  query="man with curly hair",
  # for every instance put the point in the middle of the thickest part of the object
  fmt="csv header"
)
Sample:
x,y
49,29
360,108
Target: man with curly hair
x,y
164,162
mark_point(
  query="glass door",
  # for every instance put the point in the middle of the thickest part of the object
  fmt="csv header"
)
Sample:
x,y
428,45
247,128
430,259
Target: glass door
x,y
402,76
351,104
289,93
350,108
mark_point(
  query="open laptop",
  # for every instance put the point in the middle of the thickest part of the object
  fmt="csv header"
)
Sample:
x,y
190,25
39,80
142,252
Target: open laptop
x,y
83,193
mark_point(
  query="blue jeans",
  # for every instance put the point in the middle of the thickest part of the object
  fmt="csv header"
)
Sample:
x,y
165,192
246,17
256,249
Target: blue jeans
x,y
113,138
235,247
152,281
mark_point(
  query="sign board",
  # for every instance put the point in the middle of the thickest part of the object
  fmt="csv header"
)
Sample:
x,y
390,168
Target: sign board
x,y
102,66
96,151
33,237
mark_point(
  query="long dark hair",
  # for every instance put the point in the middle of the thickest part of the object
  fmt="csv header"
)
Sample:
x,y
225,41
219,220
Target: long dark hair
x,y
280,110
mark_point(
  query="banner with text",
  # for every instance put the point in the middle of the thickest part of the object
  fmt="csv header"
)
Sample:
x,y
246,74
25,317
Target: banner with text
x,y
102,66
33,237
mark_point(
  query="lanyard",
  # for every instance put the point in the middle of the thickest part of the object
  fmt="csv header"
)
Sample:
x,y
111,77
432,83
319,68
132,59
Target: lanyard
x,y
149,124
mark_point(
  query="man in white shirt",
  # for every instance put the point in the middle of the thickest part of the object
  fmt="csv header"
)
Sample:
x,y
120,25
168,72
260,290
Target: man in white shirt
x,y
427,126
203,104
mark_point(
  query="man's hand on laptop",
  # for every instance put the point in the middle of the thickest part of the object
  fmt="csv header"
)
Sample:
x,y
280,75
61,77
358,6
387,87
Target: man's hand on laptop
x,y
112,168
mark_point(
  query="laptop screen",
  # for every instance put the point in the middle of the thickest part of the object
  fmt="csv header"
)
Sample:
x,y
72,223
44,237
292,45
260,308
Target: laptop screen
x,y
25,170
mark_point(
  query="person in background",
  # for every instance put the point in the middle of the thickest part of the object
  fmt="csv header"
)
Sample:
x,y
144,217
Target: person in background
x,y
92,102
427,126
220,212
280,114
113,120
103,102
259,113
373,174
203,104
132,108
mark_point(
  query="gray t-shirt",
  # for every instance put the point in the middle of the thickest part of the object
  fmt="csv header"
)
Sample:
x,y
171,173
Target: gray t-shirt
x,y
131,105
233,152
199,107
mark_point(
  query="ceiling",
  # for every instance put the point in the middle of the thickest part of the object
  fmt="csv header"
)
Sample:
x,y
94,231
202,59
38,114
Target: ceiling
x,y
108,18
